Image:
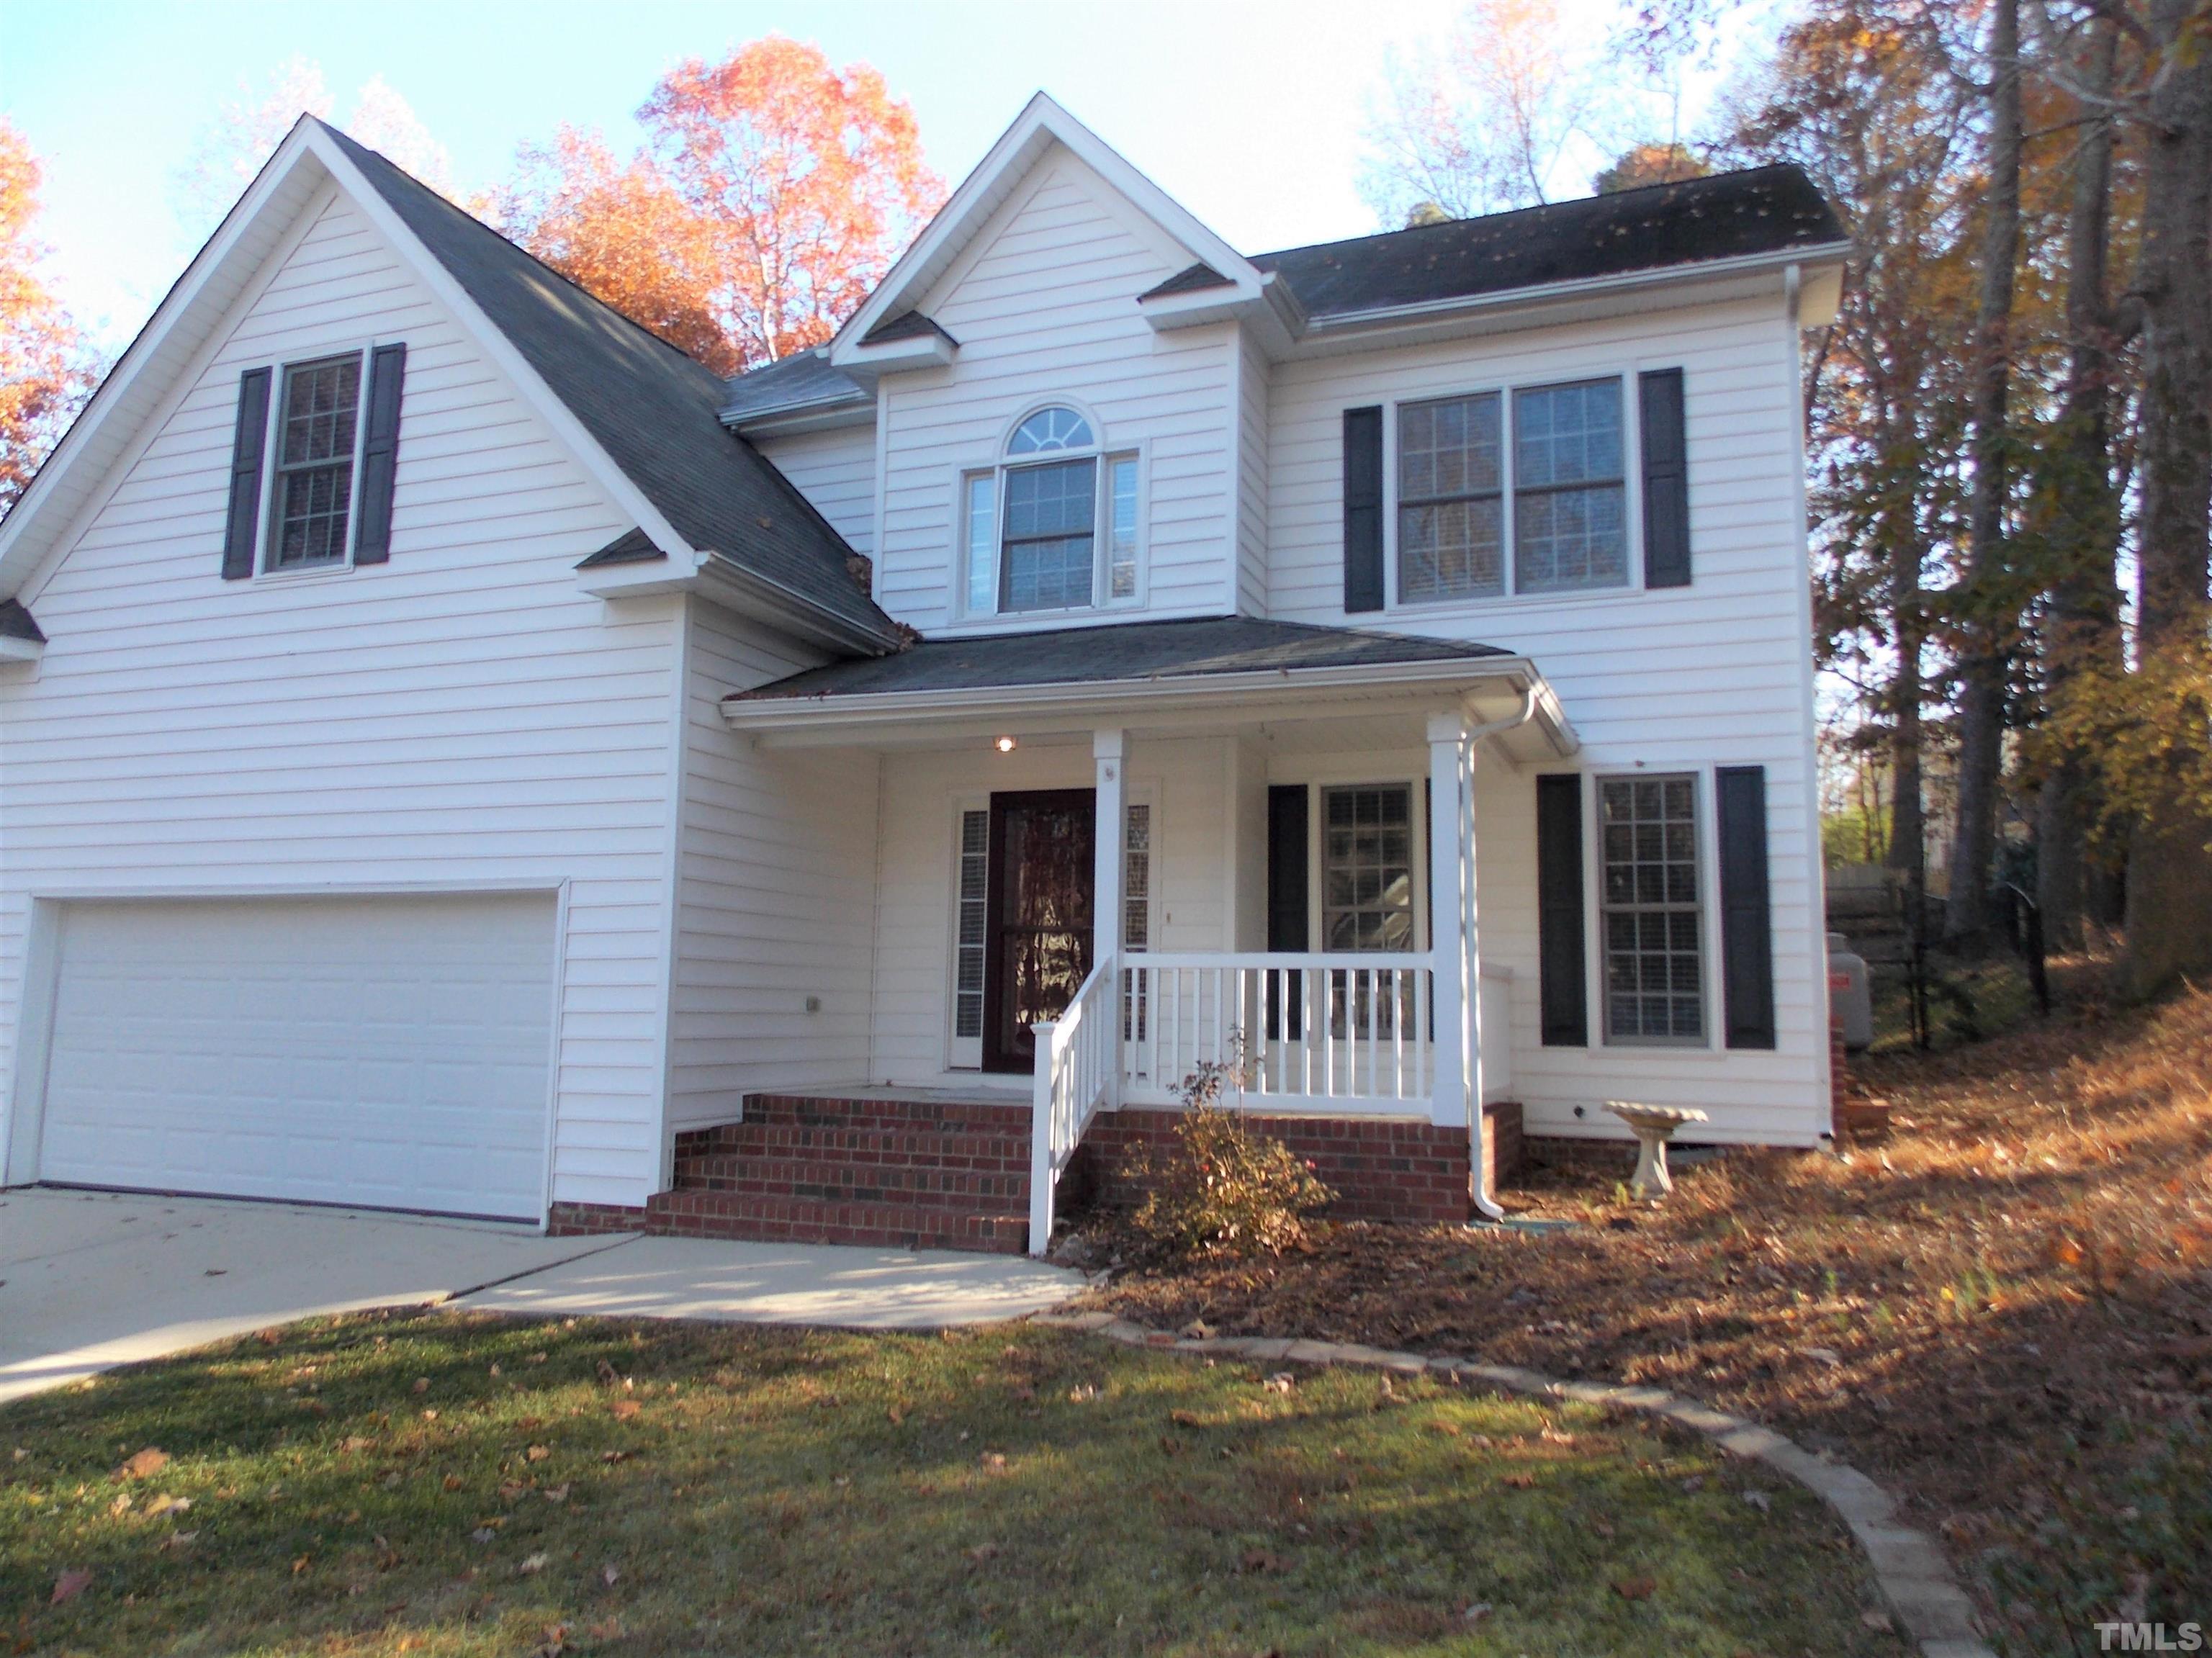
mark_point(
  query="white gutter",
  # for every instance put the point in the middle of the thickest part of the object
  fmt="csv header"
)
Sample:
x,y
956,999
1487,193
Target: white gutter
x,y
830,712
716,576
1476,1128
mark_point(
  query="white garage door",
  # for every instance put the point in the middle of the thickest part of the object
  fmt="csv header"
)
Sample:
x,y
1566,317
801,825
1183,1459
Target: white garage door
x,y
388,1051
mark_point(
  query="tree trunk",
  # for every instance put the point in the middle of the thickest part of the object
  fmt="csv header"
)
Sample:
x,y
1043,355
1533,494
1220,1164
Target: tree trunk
x,y
2083,628
2170,868
1908,827
1987,630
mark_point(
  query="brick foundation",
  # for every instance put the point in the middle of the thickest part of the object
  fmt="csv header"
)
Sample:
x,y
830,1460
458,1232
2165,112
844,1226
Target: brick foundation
x,y
955,1175
1380,1168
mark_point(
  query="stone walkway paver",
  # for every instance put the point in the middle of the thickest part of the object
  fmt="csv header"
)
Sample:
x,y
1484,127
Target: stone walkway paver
x,y
1910,1567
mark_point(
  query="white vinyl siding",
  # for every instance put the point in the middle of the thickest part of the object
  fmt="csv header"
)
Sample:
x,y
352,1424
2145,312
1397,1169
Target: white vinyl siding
x,y
835,471
1250,588
775,884
1044,308
461,715
1675,680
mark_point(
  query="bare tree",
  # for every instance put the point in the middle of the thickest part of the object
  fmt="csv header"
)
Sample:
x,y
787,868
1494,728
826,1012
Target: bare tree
x,y
1481,126
1988,596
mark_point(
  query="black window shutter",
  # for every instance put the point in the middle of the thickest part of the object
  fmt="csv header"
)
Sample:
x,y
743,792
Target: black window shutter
x,y
1559,946
246,445
1746,936
1666,481
1286,904
379,453
1287,867
1363,510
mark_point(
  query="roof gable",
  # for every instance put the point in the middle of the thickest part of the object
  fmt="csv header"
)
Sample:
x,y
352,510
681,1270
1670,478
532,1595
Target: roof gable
x,y
640,415
1041,125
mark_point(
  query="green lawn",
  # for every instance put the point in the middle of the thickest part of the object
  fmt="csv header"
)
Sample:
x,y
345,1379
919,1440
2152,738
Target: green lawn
x,y
443,1485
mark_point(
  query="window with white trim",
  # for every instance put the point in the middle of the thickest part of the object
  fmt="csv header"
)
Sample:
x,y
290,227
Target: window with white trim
x,y
1054,525
1367,867
311,496
1137,877
1544,474
1651,911
969,924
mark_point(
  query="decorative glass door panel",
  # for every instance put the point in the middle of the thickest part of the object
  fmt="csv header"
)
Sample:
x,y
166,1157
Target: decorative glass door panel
x,y
1043,845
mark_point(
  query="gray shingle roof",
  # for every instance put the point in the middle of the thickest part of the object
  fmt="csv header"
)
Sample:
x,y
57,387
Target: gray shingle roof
x,y
1764,210
1119,652
16,622
1191,279
806,380
654,410
907,325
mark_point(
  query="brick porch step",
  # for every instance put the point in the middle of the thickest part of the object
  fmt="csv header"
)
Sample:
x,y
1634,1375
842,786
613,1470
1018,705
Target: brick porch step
x,y
913,1173
891,1226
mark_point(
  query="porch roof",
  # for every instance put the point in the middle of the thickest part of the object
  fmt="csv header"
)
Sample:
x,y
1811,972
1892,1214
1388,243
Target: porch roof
x,y
1204,665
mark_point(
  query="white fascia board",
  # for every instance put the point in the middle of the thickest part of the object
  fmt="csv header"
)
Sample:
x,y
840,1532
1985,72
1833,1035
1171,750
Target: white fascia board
x,y
583,448
20,650
1820,296
200,298
930,350
1628,281
723,582
813,415
851,718
1034,131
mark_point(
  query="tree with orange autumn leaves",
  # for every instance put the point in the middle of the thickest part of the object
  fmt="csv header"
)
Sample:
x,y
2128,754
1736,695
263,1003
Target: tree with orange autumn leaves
x,y
45,373
773,193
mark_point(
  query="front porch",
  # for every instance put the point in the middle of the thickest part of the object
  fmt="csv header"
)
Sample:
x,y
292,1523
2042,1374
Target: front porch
x,y
1255,846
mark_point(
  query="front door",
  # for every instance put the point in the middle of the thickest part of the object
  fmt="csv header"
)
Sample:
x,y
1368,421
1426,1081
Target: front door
x,y
1043,847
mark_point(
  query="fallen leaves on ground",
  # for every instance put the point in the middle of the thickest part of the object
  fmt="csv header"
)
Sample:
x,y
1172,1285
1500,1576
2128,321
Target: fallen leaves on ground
x,y
2003,1309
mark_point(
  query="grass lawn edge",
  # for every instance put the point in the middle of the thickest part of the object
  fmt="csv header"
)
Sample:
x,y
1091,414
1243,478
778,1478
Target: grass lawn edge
x,y
1909,1566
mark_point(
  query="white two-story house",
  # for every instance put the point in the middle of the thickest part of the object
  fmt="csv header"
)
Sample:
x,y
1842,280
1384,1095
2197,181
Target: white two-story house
x,y
457,754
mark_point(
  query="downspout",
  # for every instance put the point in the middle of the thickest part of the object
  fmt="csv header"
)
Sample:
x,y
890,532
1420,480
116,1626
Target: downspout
x,y
1472,977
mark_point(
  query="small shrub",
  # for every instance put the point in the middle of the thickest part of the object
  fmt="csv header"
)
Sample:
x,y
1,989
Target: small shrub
x,y
1222,1189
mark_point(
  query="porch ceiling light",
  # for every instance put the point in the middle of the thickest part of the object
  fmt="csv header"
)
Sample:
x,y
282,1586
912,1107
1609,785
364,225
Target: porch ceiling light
x,y
1004,745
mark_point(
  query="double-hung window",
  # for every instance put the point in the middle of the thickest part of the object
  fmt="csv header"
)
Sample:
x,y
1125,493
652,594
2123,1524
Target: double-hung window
x,y
311,502
1054,525
1653,919
1552,488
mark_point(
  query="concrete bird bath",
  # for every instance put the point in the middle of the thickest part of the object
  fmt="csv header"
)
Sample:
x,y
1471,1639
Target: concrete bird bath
x,y
1654,1125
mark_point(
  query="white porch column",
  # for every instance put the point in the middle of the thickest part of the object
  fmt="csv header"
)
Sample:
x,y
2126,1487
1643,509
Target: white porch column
x,y
1454,1096
1111,833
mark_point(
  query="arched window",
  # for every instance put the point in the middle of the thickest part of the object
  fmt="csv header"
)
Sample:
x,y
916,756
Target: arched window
x,y
1054,525
1051,428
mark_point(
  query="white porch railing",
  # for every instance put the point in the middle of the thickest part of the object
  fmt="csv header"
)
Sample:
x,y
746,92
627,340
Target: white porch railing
x,y
1332,1032
1077,1072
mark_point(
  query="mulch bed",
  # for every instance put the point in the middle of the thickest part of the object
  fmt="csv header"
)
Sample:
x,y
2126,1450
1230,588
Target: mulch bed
x,y
2003,1310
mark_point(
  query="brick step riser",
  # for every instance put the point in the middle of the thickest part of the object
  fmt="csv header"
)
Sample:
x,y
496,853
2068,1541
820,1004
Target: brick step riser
x,y
1003,1118
803,1142
870,1127
728,1166
1007,1199
873,1225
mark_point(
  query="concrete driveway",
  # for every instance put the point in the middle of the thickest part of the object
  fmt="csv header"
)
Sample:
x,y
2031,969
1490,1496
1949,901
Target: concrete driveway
x,y
91,1279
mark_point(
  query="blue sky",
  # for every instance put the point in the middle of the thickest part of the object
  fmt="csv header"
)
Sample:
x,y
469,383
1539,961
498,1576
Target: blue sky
x,y
1249,113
